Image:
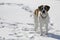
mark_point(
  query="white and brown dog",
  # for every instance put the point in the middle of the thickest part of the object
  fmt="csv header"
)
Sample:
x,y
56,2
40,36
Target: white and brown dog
x,y
41,17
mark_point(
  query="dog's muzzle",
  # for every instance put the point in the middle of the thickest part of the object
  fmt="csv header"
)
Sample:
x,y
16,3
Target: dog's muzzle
x,y
43,11
43,15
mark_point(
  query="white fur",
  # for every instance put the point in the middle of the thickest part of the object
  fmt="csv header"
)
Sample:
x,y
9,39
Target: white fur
x,y
43,23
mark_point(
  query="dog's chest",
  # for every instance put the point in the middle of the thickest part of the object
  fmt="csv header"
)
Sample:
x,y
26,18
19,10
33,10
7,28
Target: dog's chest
x,y
43,20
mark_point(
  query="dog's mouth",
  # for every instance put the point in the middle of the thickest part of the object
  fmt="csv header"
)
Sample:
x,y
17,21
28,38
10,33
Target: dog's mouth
x,y
43,15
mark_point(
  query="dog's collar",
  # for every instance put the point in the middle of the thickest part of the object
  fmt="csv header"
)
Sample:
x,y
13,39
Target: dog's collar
x,y
43,17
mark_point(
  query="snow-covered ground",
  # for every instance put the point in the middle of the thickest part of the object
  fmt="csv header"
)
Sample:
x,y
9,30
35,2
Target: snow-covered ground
x,y
17,23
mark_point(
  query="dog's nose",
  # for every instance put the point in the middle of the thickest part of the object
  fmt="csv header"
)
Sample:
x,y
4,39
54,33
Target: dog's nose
x,y
43,11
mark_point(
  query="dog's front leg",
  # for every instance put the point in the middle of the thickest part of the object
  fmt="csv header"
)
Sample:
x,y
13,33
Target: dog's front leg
x,y
46,29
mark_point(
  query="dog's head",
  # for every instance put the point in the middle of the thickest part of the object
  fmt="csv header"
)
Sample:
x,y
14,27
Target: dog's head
x,y
44,9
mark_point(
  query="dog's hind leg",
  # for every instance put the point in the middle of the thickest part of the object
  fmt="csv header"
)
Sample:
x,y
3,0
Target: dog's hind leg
x,y
41,29
36,19
36,22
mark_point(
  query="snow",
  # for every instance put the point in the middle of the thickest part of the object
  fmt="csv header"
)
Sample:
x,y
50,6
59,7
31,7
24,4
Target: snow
x,y
17,22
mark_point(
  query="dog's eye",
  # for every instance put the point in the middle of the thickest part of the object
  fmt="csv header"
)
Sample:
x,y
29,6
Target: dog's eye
x,y
41,8
45,7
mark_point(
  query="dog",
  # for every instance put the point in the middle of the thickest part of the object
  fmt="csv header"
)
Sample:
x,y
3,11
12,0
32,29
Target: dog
x,y
41,18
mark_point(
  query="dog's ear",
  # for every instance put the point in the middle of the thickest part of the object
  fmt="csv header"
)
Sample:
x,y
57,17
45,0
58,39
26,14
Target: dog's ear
x,y
40,7
47,7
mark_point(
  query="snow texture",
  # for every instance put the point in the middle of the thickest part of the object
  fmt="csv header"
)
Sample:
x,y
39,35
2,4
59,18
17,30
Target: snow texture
x,y
17,22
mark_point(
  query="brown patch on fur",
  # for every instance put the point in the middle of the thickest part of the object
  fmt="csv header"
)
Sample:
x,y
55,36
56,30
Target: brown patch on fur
x,y
36,12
